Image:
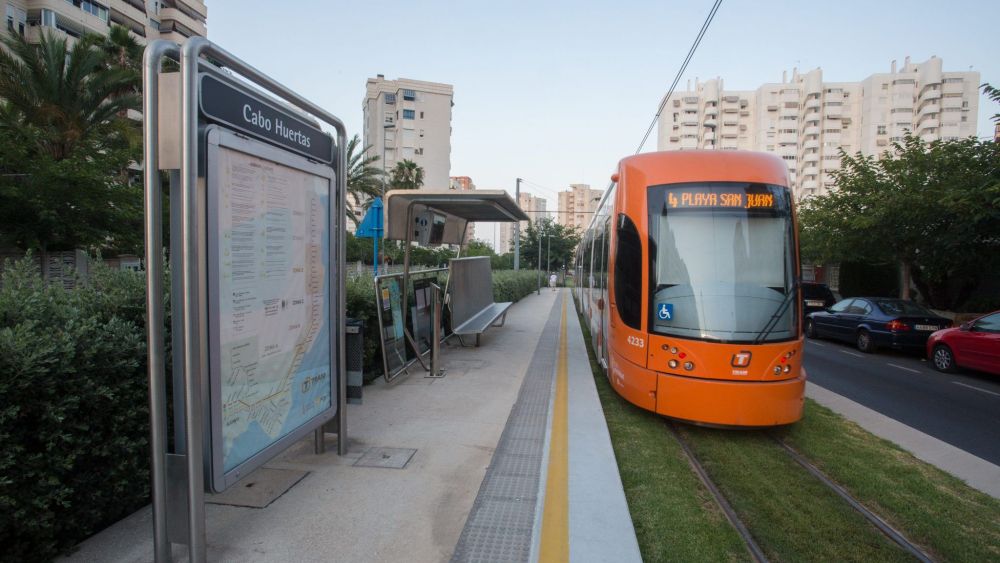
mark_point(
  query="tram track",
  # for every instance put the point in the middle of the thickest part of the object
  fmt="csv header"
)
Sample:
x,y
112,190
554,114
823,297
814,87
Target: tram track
x,y
751,544
755,551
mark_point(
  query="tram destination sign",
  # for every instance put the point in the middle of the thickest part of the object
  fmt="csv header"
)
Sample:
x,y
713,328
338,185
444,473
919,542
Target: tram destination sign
x,y
225,103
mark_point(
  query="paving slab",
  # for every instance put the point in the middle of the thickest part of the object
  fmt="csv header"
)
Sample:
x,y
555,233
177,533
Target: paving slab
x,y
345,512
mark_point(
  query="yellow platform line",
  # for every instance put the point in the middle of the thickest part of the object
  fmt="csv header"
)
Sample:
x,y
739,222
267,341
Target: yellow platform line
x,y
555,514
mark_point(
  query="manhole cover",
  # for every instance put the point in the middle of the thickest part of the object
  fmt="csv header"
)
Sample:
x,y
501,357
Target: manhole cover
x,y
392,458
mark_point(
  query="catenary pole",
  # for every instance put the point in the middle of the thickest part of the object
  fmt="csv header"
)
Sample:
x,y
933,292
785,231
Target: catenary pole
x,y
517,228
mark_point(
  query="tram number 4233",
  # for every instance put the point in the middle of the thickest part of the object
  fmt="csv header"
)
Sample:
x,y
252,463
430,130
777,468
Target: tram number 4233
x,y
636,341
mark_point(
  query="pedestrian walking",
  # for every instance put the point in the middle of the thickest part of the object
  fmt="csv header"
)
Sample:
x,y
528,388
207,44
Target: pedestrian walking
x,y
553,278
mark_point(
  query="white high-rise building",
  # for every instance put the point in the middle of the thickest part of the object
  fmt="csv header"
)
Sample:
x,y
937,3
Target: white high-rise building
x,y
807,121
534,207
410,120
577,205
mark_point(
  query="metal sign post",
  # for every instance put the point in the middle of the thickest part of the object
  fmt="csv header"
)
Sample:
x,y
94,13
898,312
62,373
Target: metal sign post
x,y
235,142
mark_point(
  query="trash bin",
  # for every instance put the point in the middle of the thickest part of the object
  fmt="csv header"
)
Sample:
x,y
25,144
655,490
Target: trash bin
x,y
354,336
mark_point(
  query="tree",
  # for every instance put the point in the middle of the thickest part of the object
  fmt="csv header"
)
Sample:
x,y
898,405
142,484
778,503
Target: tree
x,y
406,175
933,209
67,95
364,179
66,148
558,239
994,95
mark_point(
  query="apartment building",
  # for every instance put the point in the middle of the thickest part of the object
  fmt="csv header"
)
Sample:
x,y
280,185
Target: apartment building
x,y
577,205
410,120
464,183
175,20
534,207
807,121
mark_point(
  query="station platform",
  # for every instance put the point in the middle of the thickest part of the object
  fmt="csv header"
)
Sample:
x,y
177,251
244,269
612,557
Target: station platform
x,y
506,458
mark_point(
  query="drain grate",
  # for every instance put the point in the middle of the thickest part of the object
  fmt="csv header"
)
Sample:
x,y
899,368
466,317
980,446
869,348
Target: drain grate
x,y
502,519
390,458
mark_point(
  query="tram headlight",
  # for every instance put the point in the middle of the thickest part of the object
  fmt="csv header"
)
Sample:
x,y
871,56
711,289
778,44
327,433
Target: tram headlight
x,y
777,370
688,366
672,364
788,369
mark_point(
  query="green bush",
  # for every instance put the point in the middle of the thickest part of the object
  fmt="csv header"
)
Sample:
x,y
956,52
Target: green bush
x,y
74,422
510,285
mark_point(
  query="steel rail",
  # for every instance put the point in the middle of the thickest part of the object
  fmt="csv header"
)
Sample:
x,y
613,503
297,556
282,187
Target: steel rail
x,y
720,499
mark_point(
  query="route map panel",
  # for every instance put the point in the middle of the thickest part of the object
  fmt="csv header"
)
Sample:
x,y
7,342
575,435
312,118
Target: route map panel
x,y
274,356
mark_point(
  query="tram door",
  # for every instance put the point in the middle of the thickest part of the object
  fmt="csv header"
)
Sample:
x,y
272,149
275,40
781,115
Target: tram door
x,y
606,310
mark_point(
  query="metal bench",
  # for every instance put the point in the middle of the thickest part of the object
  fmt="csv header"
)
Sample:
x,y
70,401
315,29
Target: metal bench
x,y
483,320
473,311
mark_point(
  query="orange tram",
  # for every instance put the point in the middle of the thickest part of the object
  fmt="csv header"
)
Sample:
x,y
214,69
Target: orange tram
x,y
689,277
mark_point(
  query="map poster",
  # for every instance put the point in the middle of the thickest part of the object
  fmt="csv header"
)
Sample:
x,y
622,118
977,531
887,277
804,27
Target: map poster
x,y
272,332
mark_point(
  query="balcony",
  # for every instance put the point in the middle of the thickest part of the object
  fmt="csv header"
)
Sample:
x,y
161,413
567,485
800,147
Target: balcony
x,y
175,20
953,88
126,14
812,130
711,110
834,112
709,136
688,143
928,122
930,95
813,103
689,119
711,122
788,138
810,171
810,184
195,6
811,144
811,158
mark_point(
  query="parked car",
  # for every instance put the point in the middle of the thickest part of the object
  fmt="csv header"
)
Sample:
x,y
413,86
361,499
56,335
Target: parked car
x,y
974,345
816,297
874,322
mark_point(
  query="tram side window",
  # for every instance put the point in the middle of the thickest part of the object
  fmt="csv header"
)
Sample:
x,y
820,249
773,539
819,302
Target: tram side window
x,y
604,253
628,273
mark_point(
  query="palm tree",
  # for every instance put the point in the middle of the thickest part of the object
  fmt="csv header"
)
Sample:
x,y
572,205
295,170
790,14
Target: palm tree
x,y
406,175
120,49
67,95
364,179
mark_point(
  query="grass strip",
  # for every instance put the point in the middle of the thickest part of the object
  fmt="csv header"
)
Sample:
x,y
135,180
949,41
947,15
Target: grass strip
x,y
674,516
949,519
791,514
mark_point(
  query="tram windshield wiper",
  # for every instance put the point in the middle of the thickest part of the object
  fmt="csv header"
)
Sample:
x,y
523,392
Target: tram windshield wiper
x,y
780,312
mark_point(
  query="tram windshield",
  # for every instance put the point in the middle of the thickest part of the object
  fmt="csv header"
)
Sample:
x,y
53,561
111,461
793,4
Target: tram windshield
x,y
724,262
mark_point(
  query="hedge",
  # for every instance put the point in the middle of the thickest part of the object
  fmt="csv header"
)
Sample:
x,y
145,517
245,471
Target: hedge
x,y
74,418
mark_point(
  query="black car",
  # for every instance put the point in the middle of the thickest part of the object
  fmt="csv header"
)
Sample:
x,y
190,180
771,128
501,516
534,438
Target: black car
x,y
816,297
873,322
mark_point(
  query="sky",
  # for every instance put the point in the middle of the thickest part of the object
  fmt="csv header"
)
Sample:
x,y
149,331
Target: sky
x,y
557,92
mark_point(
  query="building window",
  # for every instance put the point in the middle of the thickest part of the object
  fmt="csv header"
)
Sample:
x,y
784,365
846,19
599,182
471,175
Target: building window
x,y
409,96
880,130
408,113
421,115
419,150
952,81
390,99
93,9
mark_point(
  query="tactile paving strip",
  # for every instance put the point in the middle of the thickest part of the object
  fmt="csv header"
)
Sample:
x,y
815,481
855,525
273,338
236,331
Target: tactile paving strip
x,y
500,525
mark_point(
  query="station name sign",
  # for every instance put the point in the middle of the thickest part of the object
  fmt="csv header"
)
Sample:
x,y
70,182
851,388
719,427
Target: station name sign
x,y
230,105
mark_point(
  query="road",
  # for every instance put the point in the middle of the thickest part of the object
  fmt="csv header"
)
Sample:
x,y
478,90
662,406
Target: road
x,y
960,409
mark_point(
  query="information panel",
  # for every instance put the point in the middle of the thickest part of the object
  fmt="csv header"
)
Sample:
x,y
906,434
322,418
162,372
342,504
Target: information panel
x,y
269,262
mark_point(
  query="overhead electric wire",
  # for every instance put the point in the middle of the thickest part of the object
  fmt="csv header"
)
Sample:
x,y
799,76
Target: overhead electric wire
x,y
680,72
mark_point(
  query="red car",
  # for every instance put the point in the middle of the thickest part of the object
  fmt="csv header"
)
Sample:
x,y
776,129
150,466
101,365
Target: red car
x,y
974,345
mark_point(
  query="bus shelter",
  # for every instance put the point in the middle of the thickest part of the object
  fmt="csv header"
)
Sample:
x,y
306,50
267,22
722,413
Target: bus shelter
x,y
431,218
